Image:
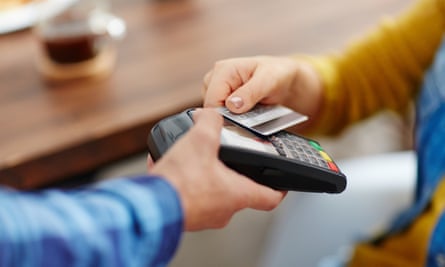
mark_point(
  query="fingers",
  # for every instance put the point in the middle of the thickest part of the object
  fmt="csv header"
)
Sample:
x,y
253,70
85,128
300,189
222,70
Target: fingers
x,y
207,130
206,81
263,197
220,86
237,83
150,162
202,180
246,96
226,77
267,200
208,118
252,194
208,124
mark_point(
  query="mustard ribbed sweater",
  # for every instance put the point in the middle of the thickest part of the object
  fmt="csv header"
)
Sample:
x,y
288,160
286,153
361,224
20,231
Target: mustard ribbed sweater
x,y
382,70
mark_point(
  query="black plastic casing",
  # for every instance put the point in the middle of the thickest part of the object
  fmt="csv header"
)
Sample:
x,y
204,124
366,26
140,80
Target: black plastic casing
x,y
278,172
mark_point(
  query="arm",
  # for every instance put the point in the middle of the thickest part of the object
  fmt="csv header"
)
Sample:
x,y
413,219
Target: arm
x,y
131,222
382,70
134,222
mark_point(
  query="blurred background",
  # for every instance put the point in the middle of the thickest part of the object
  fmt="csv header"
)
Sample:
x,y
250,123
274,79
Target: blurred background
x,y
317,27
67,120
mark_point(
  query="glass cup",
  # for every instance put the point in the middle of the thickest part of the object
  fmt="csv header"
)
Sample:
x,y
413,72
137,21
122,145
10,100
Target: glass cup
x,y
79,42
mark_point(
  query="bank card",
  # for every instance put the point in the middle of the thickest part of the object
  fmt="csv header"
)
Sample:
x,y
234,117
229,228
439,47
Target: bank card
x,y
265,119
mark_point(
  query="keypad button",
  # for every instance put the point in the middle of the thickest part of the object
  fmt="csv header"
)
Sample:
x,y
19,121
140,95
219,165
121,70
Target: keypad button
x,y
304,150
325,156
315,145
332,166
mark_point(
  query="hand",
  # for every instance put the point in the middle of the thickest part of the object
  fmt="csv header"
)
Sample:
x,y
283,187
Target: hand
x,y
240,83
210,192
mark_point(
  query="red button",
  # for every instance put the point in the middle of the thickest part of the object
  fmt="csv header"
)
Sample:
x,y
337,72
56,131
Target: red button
x,y
332,166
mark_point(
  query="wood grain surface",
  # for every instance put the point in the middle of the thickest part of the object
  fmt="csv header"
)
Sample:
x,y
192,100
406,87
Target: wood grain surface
x,y
52,131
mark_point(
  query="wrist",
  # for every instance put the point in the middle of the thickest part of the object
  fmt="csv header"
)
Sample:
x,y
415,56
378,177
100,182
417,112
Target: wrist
x,y
306,92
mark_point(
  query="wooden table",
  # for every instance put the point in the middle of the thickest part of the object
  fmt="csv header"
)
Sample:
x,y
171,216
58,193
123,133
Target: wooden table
x,y
49,133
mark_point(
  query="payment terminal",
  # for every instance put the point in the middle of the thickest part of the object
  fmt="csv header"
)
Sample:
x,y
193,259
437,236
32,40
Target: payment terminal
x,y
282,160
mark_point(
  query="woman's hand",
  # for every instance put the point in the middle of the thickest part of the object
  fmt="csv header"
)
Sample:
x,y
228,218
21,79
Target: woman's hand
x,y
240,83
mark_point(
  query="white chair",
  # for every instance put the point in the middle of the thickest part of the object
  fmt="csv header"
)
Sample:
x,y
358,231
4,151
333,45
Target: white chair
x,y
309,228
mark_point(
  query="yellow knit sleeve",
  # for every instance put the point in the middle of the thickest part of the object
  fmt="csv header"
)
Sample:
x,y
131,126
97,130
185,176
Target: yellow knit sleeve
x,y
382,70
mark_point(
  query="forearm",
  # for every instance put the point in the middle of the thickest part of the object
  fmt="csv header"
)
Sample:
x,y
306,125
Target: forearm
x,y
117,223
381,71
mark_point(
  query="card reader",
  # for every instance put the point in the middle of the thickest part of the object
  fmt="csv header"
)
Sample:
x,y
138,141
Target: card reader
x,y
283,161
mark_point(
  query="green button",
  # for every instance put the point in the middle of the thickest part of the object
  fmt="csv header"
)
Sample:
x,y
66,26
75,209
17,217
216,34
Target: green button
x,y
316,145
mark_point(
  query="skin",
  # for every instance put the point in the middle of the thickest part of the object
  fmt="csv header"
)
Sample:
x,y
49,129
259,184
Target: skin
x,y
240,83
201,180
210,192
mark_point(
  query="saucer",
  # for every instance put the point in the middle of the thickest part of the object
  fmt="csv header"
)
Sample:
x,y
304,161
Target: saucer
x,y
27,15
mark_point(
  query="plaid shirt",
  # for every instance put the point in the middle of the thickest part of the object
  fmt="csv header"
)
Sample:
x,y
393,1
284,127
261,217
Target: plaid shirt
x,y
121,222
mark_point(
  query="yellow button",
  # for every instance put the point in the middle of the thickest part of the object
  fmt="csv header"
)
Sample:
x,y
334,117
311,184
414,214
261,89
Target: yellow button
x,y
325,156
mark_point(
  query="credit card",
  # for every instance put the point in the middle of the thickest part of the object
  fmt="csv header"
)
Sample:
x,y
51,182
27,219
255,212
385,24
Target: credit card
x,y
265,119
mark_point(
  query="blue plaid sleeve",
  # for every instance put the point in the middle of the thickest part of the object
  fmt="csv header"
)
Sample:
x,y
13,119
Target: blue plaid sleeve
x,y
121,222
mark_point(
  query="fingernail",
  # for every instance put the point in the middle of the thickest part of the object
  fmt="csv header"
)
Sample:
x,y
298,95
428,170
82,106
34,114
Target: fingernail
x,y
237,101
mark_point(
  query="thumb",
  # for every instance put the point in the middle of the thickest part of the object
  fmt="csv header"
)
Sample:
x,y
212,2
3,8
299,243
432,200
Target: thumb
x,y
208,117
208,124
246,96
